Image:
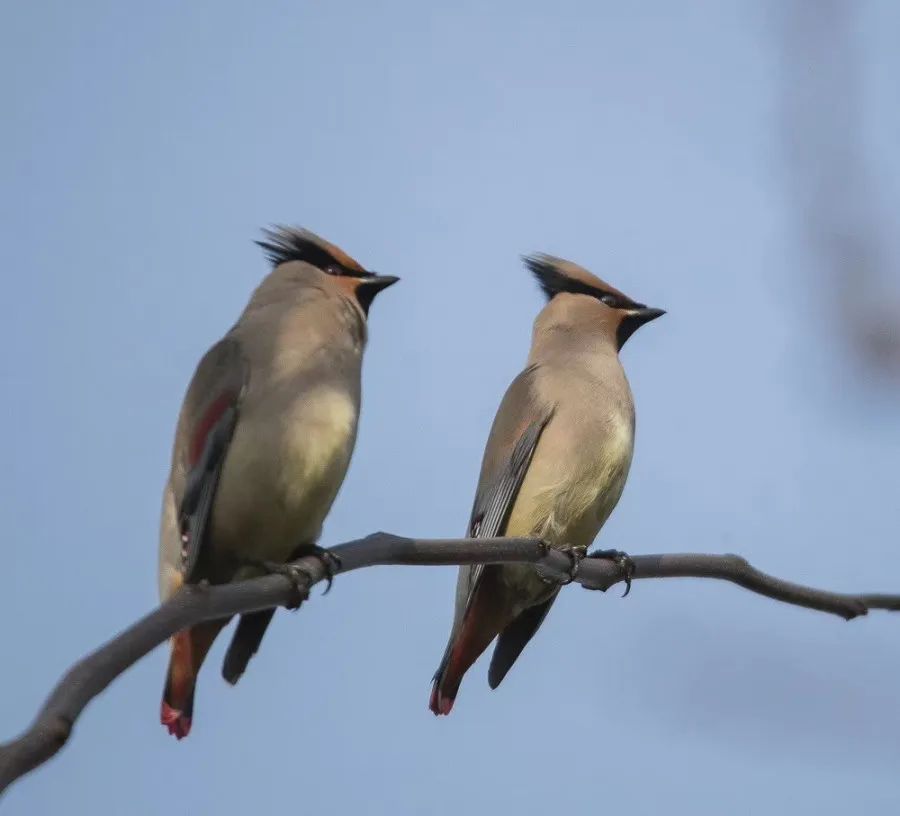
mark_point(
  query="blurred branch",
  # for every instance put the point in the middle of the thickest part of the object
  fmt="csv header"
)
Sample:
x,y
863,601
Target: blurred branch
x,y
195,604
837,201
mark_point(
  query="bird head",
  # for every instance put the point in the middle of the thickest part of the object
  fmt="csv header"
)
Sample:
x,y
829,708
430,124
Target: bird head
x,y
331,267
558,277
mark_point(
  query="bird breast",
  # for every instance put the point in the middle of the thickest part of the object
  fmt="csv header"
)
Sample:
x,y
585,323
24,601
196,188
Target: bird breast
x,y
280,480
576,478
318,437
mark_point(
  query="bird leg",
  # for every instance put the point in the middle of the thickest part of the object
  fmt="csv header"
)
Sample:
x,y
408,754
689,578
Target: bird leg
x,y
330,561
293,572
299,577
576,555
622,561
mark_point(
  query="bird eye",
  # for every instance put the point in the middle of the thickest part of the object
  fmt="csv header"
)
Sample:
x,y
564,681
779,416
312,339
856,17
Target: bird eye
x,y
333,270
609,300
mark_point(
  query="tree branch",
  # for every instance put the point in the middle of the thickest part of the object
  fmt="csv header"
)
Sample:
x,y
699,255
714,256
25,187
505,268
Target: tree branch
x,y
93,673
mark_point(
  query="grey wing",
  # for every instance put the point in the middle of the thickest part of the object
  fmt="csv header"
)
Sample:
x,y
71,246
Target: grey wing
x,y
515,434
206,426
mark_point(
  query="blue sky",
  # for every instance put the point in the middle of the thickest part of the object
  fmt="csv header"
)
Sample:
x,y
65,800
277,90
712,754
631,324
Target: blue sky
x,y
144,145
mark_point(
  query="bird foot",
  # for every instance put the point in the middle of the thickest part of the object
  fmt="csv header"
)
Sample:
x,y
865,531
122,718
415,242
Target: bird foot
x,y
331,562
576,555
622,561
299,577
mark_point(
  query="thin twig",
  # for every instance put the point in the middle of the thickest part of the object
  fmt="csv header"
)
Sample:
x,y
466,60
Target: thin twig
x,y
192,605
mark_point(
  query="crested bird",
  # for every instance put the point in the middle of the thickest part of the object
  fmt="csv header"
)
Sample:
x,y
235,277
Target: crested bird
x,y
554,467
263,442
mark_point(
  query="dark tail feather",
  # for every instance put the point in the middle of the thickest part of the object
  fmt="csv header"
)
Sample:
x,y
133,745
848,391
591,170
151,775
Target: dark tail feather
x,y
250,631
514,638
481,624
245,643
189,648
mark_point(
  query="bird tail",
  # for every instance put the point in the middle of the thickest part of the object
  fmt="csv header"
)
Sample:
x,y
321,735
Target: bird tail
x,y
514,638
245,643
481,623
189,648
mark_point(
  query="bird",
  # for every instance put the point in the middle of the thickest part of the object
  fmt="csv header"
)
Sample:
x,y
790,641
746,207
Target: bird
x,y
263,442
554,467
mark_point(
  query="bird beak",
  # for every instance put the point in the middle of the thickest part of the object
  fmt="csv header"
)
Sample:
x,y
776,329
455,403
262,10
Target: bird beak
x,y
370,286
377,283
633,319
645,314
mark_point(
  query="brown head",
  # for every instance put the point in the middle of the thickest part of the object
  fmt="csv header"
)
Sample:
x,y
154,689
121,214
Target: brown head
x,y
561,279
327,264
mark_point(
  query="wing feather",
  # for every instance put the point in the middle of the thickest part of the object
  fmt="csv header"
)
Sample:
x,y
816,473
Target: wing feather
x,y
516,432
206,426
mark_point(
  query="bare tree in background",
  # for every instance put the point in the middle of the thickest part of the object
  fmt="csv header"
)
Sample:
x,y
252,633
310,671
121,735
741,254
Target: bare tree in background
x,y
840,213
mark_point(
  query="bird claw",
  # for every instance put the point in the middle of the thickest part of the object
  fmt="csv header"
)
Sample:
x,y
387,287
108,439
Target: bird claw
x,y
331,563
299,577
622,560
576,555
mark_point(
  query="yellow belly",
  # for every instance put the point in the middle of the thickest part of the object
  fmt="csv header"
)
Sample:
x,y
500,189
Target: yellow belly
x,y
568,495
278,486
316,452
565,499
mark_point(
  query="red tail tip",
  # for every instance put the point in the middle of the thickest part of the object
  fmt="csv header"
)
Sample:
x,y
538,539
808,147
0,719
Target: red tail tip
x,y
438,703
179,725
